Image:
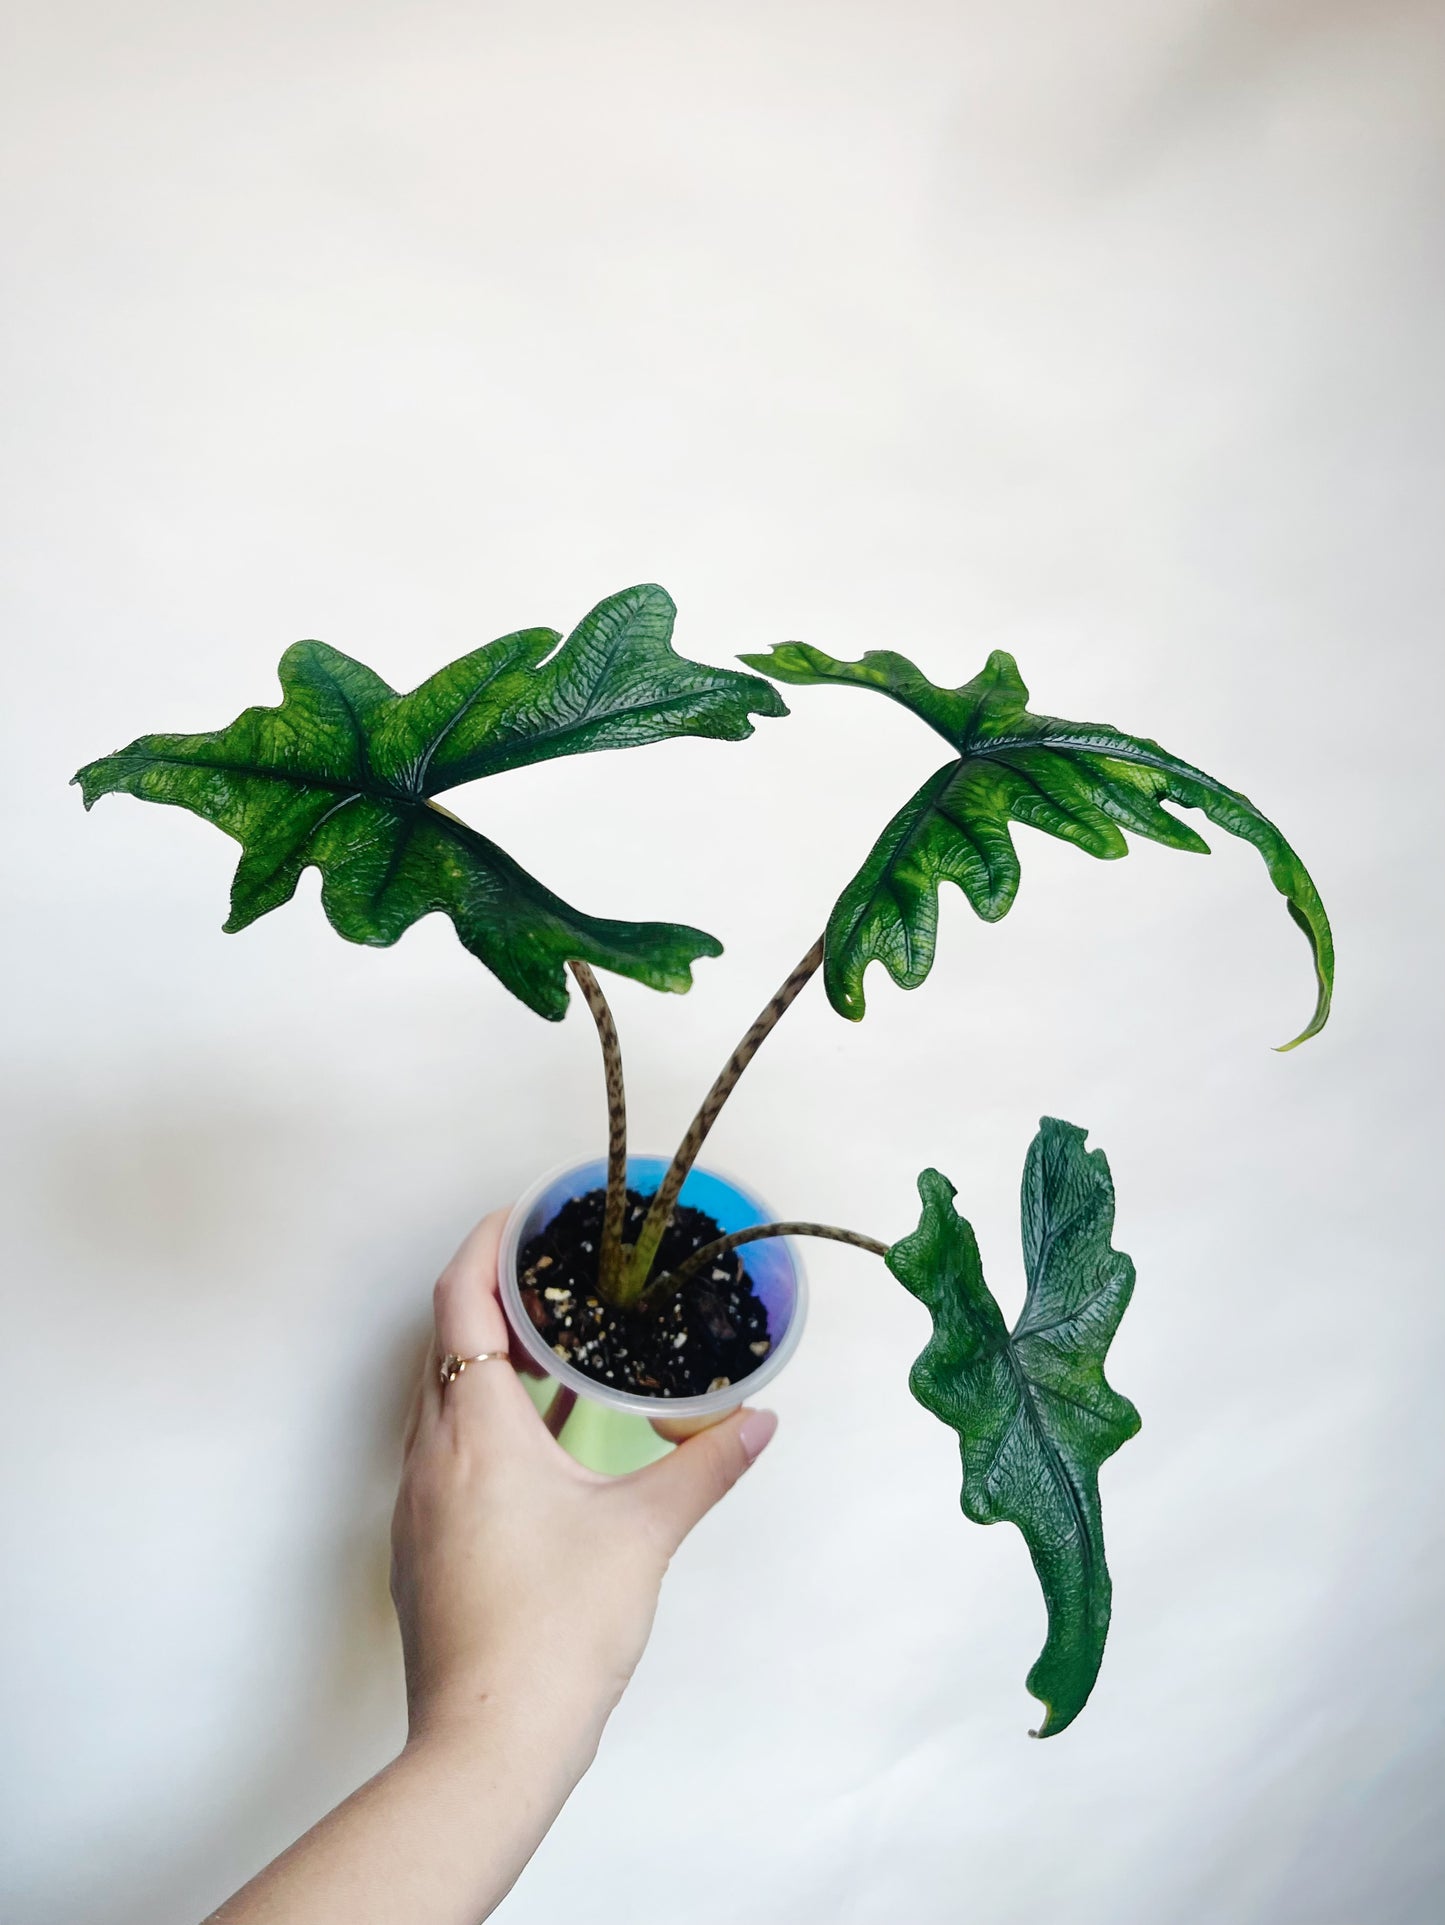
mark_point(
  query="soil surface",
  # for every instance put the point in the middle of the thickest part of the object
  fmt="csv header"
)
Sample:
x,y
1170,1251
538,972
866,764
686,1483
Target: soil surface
x,y
711,1334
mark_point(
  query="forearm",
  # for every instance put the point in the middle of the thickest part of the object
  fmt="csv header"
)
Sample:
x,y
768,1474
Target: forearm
x,y
438,1837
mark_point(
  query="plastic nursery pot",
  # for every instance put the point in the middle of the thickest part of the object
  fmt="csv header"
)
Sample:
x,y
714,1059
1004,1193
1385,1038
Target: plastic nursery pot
x,y
771,1263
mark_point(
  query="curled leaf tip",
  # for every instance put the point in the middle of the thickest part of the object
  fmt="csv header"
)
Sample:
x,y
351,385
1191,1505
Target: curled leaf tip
x,y
1050,1725
1322,941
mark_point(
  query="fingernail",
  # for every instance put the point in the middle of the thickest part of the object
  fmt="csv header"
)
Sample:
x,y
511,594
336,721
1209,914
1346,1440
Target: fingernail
x,y
755,1431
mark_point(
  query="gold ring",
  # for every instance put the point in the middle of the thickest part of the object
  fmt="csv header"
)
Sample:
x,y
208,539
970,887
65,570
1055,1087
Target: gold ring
x,y
452,1366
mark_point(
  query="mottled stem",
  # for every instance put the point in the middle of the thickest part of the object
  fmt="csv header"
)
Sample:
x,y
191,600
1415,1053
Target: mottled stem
x,y
609,1258
710,1252
659,1213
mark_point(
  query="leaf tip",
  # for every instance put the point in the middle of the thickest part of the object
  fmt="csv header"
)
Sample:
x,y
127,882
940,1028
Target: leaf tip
x,y
934,1187
677,979
1051,1724
843,985
643,595
91,781
764,697
1003,668
784,661
1316,1022
848,1001
1311,1029
1060,1129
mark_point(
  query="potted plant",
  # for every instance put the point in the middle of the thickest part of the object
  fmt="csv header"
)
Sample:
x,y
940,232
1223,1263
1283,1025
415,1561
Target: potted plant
x,y
652,1284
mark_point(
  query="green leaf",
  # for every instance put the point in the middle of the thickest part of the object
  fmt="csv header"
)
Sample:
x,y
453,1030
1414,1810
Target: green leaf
x,y
1082,781
1034,1415
341,777
616,683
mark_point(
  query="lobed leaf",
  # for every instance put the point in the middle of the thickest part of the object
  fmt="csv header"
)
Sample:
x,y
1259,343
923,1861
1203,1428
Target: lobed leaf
x,y
342,775
615,683
1034,1415
1084,782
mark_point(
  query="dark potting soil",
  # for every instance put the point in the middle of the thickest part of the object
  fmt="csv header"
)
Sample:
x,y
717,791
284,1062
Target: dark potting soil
x,y
711,1333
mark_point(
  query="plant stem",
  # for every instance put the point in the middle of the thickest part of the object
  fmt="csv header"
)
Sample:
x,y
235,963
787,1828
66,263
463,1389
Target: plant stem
x,y
710,1252
659,1213
609,1257
560,1409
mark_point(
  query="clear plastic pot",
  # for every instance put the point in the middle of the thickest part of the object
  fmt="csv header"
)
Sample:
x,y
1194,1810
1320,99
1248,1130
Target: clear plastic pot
x,y
772,1263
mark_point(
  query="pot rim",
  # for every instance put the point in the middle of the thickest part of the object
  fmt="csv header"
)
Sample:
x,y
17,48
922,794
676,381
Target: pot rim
x,y
711,1403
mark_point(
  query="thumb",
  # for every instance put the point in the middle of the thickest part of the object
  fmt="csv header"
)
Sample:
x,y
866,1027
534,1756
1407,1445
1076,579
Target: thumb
x,y
683,1487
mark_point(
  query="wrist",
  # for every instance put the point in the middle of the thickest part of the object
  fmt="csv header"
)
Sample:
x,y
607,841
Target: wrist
x,y
523,1720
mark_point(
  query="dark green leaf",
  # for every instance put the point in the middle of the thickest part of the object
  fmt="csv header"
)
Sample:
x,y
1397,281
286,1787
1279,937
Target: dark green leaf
x,y
1034,1415
1083,781
341,777
616,683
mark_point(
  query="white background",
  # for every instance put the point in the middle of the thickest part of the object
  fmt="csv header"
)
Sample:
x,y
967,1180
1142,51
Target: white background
x,y
1109,335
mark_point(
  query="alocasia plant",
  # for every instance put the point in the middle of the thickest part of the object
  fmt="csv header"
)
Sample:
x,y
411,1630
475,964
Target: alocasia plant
x,y
343,776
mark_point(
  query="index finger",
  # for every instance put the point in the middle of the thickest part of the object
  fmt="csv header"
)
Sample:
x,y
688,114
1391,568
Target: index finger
x,y
469,1317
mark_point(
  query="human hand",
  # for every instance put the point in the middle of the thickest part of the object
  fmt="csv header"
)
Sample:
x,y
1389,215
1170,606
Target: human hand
x,y
519,1577
525,1587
